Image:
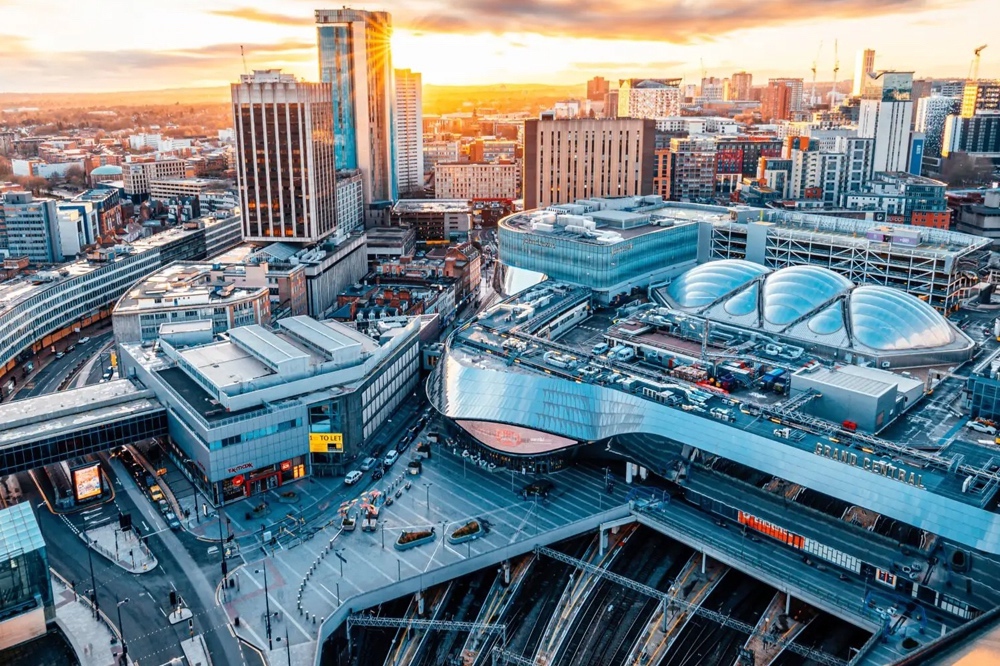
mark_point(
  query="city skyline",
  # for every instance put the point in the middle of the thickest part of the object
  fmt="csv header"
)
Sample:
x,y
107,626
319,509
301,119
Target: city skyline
x,y
535,41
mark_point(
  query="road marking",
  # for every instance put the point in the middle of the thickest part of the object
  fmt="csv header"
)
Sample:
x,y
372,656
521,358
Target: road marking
x,y
145,526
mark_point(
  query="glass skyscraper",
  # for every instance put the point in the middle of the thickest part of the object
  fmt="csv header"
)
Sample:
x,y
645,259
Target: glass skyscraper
x,y
355,57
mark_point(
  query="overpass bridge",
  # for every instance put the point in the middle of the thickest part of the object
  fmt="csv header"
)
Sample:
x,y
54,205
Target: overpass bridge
x,y
69,424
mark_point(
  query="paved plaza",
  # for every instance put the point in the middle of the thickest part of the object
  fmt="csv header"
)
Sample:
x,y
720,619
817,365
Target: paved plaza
x,y
346,564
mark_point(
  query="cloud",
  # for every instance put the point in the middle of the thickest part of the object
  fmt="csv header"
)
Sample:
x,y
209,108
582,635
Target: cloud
x,y
676,21
614,67
212,64
253,14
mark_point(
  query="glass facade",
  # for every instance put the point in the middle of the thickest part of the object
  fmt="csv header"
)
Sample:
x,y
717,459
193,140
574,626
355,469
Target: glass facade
x,y
24,567
598,266
336,66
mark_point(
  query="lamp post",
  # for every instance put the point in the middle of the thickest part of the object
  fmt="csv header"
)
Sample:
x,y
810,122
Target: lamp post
x,y
93,580
121,630
339,553
428,487
267,604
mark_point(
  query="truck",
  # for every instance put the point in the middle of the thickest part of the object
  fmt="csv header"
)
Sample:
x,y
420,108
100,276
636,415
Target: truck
x,y
767,381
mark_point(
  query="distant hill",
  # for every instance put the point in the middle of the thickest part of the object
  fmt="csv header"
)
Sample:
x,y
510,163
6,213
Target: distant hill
x,y
437,99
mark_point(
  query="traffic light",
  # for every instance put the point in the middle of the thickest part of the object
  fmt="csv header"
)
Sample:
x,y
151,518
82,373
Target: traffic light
x,y
173,598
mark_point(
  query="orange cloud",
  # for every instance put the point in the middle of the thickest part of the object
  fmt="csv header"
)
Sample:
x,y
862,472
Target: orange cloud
x,y
254,14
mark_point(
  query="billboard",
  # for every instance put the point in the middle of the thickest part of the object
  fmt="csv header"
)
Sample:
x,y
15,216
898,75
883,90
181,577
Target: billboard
x,y
87,482
326,442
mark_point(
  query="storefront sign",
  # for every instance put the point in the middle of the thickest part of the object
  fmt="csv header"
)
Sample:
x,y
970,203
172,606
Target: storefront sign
x,y
240,468
238,480
880,467
326,442
286,465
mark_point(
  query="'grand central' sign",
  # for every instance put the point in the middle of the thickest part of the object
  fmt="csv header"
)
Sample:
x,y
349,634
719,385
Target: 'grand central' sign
x,y
880,467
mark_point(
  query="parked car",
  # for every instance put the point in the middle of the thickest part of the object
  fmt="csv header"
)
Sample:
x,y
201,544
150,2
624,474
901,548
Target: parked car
x,y
367,464
390,458
353,477
981,427
155,493
174,525
70,348
378,474
403,445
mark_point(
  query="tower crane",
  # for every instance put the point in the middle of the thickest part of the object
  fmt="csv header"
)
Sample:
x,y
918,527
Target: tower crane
x,y
836,73
812,96
975,66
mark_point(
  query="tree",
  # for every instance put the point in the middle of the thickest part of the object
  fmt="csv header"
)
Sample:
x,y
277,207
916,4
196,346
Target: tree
x,y
75,175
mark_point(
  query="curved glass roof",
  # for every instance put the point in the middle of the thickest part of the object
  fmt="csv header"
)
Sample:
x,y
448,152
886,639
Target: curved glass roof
x,y
795,291
890,320
707,283
828,321
743,303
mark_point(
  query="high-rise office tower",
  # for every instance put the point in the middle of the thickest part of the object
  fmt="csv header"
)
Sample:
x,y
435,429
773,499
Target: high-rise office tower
x,y
649,98
932,113
863,65
565,160
409,133
597,88
354,56
980,96
285,165
885,114
740,86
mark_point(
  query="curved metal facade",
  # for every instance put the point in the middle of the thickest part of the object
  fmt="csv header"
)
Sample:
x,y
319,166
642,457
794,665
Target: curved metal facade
x,y
462,389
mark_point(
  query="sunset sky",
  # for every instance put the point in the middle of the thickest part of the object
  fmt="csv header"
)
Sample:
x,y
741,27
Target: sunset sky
x,y
105,45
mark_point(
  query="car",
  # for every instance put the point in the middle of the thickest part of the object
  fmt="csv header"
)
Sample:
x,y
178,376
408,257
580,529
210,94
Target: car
x,y
403,445
155,493
390,459
164,506
84,340
378,474
60,354
367,464
539,488
353,477
70,348
981,427
169,516
174,525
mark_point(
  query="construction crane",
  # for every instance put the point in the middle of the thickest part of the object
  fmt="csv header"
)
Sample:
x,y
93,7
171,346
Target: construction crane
x,y
975,62
242,55
812,96
836,73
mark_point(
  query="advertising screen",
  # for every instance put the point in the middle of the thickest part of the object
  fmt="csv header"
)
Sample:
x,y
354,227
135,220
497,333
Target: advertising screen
x,y
87,482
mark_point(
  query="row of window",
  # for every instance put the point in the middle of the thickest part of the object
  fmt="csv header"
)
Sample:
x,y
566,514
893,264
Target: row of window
x,y
257,433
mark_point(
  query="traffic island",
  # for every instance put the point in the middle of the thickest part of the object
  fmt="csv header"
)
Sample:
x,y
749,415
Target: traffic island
x,y
121,547
412,539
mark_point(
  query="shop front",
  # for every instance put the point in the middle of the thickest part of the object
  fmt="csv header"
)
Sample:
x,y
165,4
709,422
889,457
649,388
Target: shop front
x,y
247,481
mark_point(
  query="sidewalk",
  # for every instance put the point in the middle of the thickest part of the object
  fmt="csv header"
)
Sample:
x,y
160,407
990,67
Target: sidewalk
x,y
122,548
93,641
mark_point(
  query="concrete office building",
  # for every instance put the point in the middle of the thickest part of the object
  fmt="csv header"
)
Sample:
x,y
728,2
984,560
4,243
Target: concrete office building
x,y
36,312
740,86
76,225
776,103
980,96
885,116
391,243
686,170
796,103
477,180
184,292
139,173
597,88
864,65
266,407
565,160
107,205
434,219
30,228
169,188
649,98
285,167
978,134
356,59
26,601
932,264
905,198
610,245
409,132
982,219
244,269
932,115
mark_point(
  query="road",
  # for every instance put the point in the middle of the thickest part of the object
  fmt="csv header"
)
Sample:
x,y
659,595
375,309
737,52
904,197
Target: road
x,y
48,379
151,639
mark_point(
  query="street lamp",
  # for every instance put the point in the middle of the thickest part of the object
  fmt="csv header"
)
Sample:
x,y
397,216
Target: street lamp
x,y
121,630
428,487
340,556
267,604
93,580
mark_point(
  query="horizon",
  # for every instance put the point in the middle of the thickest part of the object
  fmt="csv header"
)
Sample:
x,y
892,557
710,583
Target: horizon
x,y
543,42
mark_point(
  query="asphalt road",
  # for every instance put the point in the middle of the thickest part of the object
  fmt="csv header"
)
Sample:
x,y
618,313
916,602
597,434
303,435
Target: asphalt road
x,y
48,379
151,639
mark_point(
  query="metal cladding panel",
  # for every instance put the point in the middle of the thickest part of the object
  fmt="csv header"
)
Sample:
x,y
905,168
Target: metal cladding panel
x,y
588,412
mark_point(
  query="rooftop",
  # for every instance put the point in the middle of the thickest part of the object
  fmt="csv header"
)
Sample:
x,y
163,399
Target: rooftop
x,y
19,531
431,206
182,284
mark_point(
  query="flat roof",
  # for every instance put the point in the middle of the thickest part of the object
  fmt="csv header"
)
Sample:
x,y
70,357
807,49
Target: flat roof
x,y
432,206
328,336
182,279
869,386
273,349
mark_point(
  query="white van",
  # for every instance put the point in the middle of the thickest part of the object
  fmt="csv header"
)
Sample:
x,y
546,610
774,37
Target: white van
x,y
390,458
352,477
